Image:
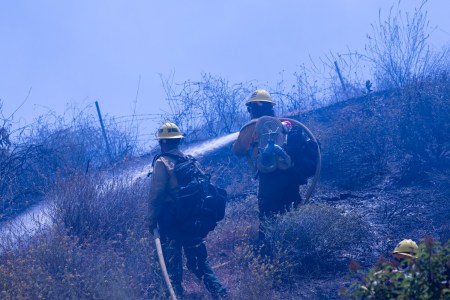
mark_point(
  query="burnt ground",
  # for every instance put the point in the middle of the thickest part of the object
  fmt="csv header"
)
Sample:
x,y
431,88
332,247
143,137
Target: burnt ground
x,y
385,156
388,156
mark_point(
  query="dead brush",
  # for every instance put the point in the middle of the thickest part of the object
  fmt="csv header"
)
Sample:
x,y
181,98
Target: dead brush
x,y
316,239
63,267
100,207
98,247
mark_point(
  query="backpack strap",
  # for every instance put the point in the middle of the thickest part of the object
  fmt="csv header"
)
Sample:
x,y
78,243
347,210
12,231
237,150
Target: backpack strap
x,y
178,158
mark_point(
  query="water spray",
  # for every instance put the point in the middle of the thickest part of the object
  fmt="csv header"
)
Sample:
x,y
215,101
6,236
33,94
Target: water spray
x,y
198,150
211,145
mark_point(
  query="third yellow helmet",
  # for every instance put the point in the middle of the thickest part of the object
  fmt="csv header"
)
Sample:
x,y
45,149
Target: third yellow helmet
x,y
406,249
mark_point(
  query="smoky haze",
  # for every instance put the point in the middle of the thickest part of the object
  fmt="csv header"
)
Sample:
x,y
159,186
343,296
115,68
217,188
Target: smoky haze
x,y
78,52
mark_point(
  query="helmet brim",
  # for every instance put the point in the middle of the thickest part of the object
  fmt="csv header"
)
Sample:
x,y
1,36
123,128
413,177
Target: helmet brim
x,y
255,101
170,138
403,255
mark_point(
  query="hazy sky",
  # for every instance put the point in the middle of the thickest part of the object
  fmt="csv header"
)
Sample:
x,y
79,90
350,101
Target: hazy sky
x,y
85,50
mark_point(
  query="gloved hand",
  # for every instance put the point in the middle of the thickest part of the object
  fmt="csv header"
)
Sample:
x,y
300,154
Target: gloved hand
x,y
155,233
152,228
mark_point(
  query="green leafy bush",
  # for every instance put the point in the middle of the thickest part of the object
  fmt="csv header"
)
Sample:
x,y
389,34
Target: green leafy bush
x,y
428,277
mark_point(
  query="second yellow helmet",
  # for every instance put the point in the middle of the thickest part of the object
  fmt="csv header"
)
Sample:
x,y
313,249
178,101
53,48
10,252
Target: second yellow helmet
x,y
260,96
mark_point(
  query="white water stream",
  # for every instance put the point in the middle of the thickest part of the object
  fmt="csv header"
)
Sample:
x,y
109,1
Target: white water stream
x,y
196,151
38,216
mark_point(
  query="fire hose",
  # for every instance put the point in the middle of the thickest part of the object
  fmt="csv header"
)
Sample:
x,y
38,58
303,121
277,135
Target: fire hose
x,y
163,264
314,181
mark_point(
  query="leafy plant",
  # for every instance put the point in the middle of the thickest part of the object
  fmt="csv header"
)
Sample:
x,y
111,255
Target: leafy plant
x,y
428,276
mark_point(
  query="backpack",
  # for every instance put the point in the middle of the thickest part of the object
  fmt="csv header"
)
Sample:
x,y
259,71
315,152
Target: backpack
x,y
303,152
199,205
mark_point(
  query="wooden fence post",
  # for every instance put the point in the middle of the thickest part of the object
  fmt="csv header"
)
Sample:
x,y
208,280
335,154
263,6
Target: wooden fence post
x,y
104,132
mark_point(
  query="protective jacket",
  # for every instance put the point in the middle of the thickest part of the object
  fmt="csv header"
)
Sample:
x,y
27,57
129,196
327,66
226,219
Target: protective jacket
x,y
277,190
247,141
164,190
164,187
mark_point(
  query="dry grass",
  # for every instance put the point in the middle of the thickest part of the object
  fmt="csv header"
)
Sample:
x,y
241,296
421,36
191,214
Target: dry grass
x,y
98,248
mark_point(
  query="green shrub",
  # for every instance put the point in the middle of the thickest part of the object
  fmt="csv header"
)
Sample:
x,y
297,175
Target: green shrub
x,y
428,277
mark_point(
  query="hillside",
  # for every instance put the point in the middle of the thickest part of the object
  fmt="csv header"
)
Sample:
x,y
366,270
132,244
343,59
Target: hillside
x,y
385,177
392,150
385,157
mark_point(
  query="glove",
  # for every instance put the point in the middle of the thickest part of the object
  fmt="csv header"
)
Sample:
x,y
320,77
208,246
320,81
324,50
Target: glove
x,y
152,227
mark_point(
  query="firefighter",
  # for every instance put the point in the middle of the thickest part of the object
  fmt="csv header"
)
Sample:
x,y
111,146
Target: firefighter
x,y
278,191
278,185
174,239
405,253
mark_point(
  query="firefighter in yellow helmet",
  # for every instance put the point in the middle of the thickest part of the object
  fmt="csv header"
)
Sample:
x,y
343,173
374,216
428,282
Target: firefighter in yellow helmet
x,y
163,190
405,254
259,104
278,188
406,249
275,194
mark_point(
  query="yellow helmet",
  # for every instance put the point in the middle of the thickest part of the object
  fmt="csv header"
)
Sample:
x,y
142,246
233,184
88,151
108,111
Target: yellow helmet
x,y
406,249
169,131
260,96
